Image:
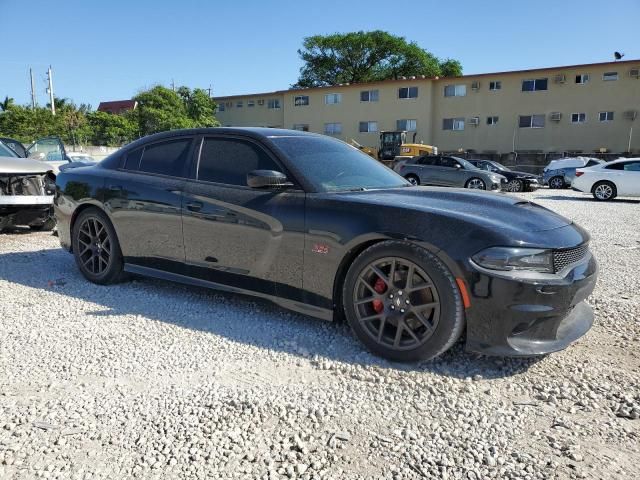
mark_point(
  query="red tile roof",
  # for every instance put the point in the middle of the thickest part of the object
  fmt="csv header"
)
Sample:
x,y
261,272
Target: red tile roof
x,y
117,106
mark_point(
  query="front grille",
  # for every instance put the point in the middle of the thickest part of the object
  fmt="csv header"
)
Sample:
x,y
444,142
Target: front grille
x,y
562,258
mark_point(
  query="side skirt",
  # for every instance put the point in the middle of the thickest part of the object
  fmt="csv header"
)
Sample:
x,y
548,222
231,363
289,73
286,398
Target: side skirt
x,y
303,308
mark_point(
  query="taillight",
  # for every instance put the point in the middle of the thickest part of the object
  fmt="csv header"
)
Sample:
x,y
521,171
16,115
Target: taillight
x,y
579,174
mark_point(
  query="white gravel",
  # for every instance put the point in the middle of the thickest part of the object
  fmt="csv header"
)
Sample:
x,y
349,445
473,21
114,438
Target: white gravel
x,y
154,380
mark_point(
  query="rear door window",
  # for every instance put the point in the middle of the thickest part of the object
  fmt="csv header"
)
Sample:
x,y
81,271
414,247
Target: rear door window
x,y
447,162
229,160
166,158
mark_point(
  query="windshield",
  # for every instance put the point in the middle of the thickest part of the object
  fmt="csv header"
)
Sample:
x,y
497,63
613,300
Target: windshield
x,y
499,166
466,163
333,166
5,151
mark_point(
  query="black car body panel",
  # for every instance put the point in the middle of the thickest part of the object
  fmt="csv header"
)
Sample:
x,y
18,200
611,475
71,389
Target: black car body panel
x,y
294,245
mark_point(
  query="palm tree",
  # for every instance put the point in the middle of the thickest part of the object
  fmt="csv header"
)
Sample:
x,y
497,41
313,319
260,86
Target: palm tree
x,y
6,103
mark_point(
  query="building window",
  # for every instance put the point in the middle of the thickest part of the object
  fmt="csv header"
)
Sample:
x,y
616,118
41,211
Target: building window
x,y
251,103
273,103
534,85
495,85
332,128
369,96
368,127
301,100
455,90
492,120
239,104
408,92
578,117
333,98
303,127
605,116
407,124
608,76
221,107
531,121
453,124
582,78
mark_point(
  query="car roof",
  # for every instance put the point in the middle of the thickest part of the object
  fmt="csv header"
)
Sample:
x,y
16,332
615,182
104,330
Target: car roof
x,y
254,132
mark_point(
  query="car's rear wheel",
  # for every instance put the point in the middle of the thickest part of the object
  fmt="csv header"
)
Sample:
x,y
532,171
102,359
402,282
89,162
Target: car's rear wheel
x,y
603,191
96,248
402,302
515,185
476,184
556,182
413,180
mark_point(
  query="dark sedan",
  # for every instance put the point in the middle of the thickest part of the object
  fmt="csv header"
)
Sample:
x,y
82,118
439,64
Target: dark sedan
x,y
317,226
516,181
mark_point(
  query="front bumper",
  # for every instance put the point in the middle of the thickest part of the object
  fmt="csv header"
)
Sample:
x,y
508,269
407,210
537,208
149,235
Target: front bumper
x,y
516,317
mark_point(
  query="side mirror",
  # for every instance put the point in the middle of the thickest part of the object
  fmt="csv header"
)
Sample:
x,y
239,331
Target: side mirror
x,y
458,166
267,179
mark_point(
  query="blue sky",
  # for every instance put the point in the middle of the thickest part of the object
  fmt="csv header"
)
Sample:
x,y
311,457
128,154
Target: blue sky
x,y
110,49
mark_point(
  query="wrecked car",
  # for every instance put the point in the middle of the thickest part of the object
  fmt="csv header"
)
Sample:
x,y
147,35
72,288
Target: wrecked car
x,y
26,191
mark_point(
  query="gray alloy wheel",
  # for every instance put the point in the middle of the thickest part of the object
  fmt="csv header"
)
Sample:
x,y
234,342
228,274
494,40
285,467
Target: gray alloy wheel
x,y
402,302
515,185
556,182
476,184
412,179
604,191
96,248
396,303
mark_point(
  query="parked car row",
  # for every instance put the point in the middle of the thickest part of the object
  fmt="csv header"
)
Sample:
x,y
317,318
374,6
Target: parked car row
x,y
451,171
561,172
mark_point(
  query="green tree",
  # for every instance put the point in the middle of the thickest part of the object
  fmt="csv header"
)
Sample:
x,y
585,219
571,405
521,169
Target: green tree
x,y
7,103
364,57
109,129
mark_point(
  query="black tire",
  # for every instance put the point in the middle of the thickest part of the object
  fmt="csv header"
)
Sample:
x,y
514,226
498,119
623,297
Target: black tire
x,y
412,179
110,270
557,183
447,328
472,182
48,225
604,191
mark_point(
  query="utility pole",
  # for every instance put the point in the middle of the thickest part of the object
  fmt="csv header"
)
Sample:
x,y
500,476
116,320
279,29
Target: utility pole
x,y
209,90
33,90
173,85
50,89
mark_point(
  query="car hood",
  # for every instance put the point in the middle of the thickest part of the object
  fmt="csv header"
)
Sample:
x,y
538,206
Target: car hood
x,y
23,166
494,210
523,174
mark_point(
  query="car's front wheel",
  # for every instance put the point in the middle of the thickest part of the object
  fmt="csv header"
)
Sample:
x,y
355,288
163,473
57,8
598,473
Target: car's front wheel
x,y
413,180
556,183
515,185
604,191
402,302
96,248
476,184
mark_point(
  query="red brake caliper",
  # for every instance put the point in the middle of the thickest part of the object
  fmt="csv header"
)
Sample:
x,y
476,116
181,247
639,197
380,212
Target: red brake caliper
x,y
380,287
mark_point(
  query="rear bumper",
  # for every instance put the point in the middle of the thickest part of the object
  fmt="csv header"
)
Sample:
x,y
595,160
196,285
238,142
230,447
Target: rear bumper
x,y
511,317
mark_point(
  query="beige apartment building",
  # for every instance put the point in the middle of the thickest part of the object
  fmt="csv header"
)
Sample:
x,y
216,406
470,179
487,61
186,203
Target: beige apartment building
x,y
578,108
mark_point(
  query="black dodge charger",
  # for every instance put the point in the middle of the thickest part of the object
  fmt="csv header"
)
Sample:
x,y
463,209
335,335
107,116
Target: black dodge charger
x,y
316,226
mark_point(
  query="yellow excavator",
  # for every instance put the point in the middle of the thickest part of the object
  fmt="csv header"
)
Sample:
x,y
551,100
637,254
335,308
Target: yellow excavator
x,y
394,147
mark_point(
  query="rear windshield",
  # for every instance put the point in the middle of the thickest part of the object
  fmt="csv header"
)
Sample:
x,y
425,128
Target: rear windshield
x,y
333,166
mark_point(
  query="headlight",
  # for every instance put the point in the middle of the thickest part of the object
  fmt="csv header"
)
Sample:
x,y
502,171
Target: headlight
x,y
506,259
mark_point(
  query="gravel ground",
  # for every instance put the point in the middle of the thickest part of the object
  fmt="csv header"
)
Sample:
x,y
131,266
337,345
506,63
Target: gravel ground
x,y
153,380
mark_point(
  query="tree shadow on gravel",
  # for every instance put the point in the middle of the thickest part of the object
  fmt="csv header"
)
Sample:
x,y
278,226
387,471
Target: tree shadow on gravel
x,y
238,318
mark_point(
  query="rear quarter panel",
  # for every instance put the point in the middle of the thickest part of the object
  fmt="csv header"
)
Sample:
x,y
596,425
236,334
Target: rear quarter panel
x,y
76,189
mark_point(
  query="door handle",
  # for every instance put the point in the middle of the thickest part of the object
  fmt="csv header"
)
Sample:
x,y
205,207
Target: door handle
x,y
194,206
115,188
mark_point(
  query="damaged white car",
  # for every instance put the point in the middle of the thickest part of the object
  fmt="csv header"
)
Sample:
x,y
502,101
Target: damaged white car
x,y
26,192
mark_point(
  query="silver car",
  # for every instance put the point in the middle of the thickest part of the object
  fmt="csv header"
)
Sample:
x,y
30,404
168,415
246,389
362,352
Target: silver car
x,y
447,171
26,191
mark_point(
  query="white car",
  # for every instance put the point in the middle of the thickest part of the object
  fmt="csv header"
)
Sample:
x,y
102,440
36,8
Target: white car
x,y
618,178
